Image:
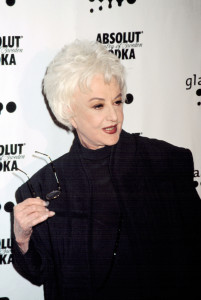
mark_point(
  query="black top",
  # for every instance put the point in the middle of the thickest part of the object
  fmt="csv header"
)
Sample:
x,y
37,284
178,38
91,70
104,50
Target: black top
x,y
111,255
153,183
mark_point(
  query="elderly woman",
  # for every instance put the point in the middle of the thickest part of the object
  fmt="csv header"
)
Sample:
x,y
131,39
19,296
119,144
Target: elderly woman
x,y
123,216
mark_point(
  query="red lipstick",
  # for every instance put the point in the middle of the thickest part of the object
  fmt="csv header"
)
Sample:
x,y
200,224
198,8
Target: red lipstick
x,y
110,129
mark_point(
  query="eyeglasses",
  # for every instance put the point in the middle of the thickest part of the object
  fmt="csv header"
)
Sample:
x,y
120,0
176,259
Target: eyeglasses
x,y
53,194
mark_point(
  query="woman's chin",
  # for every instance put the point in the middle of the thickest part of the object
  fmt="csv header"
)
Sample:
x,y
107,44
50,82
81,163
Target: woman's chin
x,y
112,139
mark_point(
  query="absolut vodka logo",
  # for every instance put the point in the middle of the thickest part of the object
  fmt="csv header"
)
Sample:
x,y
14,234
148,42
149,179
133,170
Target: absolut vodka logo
x,y
122,44
5,251
10,46
9,155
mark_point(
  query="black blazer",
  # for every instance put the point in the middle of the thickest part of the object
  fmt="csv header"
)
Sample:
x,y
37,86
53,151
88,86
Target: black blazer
x,y
161,210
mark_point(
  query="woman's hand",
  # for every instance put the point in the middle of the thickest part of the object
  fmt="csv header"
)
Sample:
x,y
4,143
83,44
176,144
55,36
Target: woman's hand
x,y
27,214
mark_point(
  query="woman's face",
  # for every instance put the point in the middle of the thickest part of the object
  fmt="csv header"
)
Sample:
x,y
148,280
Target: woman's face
x,y
98,113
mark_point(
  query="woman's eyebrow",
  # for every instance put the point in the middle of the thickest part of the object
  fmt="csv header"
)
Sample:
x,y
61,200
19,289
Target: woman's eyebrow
x,y
98,98
119,95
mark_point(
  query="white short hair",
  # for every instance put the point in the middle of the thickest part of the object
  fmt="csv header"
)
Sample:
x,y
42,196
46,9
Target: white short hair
x,y
75,66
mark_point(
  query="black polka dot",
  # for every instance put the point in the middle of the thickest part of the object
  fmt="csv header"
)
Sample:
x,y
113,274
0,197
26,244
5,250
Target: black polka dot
x,y
131,1
11,107
129,98
1,107
198,92
8,207
119,2
10,2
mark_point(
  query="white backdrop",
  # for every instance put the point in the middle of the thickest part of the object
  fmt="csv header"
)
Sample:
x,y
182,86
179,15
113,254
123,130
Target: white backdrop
x,y
158,41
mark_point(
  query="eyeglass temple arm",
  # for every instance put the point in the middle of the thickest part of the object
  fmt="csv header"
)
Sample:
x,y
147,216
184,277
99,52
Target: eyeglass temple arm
x,y
53,168
33,194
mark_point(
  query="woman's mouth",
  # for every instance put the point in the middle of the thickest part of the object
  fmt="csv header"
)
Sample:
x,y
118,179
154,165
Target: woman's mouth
x,y
111,129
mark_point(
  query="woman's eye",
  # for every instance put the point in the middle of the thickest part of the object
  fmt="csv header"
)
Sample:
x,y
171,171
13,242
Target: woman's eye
x,y
119,102
98,106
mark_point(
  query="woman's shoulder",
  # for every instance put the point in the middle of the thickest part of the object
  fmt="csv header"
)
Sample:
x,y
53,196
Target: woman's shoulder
x,y
157,152
153,145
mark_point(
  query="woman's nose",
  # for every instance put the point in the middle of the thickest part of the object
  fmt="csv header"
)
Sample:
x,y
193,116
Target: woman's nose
x,y
111,114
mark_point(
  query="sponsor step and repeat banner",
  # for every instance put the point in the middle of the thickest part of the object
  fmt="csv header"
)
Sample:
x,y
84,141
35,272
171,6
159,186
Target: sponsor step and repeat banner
x,y
159,43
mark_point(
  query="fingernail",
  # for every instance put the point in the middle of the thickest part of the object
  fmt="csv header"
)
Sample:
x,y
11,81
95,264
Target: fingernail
x,y
47,203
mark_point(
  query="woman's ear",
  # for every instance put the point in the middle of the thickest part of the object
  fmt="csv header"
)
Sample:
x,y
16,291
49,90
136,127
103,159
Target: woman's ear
x,y
73,122
72,117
